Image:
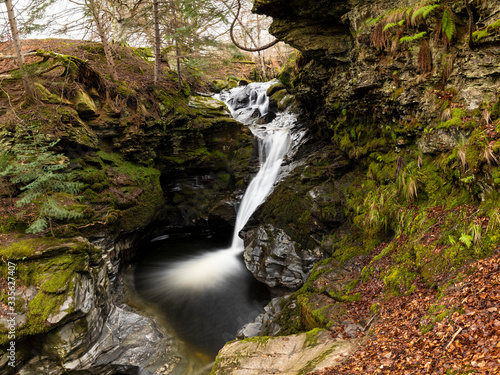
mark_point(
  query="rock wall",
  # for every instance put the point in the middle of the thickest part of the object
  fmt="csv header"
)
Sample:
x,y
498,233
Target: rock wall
x,y
65,316
393,101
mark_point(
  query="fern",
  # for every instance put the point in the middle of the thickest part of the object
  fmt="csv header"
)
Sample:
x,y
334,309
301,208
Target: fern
x,y
448,24
411,38
424,12
466,240
452,240
389,26
39,172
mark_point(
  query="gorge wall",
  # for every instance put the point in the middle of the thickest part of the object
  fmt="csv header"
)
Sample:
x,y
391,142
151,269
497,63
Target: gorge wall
x,y
149,161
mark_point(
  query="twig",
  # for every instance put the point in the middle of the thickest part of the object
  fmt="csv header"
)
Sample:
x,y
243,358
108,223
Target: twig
x,y
453,337
369,322
95,223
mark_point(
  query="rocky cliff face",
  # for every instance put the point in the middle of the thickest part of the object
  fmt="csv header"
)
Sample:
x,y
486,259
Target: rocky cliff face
x,y
403,107
66,319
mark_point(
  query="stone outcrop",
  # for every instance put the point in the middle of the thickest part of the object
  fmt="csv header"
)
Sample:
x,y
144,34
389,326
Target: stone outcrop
x,y
291,355
274,259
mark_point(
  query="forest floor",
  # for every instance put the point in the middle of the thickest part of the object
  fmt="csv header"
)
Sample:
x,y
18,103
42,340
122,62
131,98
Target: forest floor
x,y
454,330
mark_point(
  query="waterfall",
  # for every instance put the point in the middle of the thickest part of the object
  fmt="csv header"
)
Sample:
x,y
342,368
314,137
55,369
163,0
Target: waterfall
x,y
249,105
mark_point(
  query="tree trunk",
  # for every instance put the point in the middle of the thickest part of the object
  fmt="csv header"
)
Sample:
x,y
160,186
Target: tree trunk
x,y
28,85
104,39
157,43
15,33
178,54
177,49
471,23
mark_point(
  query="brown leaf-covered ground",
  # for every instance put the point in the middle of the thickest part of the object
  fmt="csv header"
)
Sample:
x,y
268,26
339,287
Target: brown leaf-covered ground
x,y
426,332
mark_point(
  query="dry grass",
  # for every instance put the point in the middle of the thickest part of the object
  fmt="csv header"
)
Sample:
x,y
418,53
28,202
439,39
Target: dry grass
x,y
462,157
446,115
424,58
489,156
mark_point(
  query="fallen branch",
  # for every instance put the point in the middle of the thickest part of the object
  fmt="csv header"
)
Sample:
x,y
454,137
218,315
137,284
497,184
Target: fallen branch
x,y
369,322
453,337
91,224
32,53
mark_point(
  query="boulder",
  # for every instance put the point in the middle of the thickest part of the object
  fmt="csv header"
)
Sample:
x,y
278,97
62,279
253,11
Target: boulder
x,y
207,106
264,323
274,259
84,105
290,355
128,341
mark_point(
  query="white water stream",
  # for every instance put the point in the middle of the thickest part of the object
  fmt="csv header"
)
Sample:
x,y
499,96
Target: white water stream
x,y
248,104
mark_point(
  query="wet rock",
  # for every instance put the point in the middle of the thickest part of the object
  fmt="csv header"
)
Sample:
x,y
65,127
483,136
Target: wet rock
x,y
223,215
264,323
267,118
128,341
274,259
291,355
441,140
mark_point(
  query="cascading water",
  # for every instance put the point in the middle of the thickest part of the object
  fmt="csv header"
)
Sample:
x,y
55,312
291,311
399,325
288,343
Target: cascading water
x,y
210,295
248,104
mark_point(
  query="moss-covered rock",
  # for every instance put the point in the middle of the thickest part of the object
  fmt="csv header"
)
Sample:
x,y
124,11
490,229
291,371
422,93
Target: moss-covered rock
x,y
51,270
84,104
294,355
208,107
46,96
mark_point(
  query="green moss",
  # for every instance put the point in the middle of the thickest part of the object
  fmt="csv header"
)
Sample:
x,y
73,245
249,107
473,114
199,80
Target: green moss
x,y
315,312
475,148
59,282
312,337
259,340
397,93
50,265
436,313
143,52
457,114
311,365
28,248
375,308
479,34
399,280
490,29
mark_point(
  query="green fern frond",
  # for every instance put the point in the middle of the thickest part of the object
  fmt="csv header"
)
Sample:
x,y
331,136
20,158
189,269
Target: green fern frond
x,y
452,240
389,26
411,38
424,12
466,240
39,225
448,24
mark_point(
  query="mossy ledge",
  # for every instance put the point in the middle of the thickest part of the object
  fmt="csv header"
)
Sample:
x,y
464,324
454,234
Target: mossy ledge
x,y
49,269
